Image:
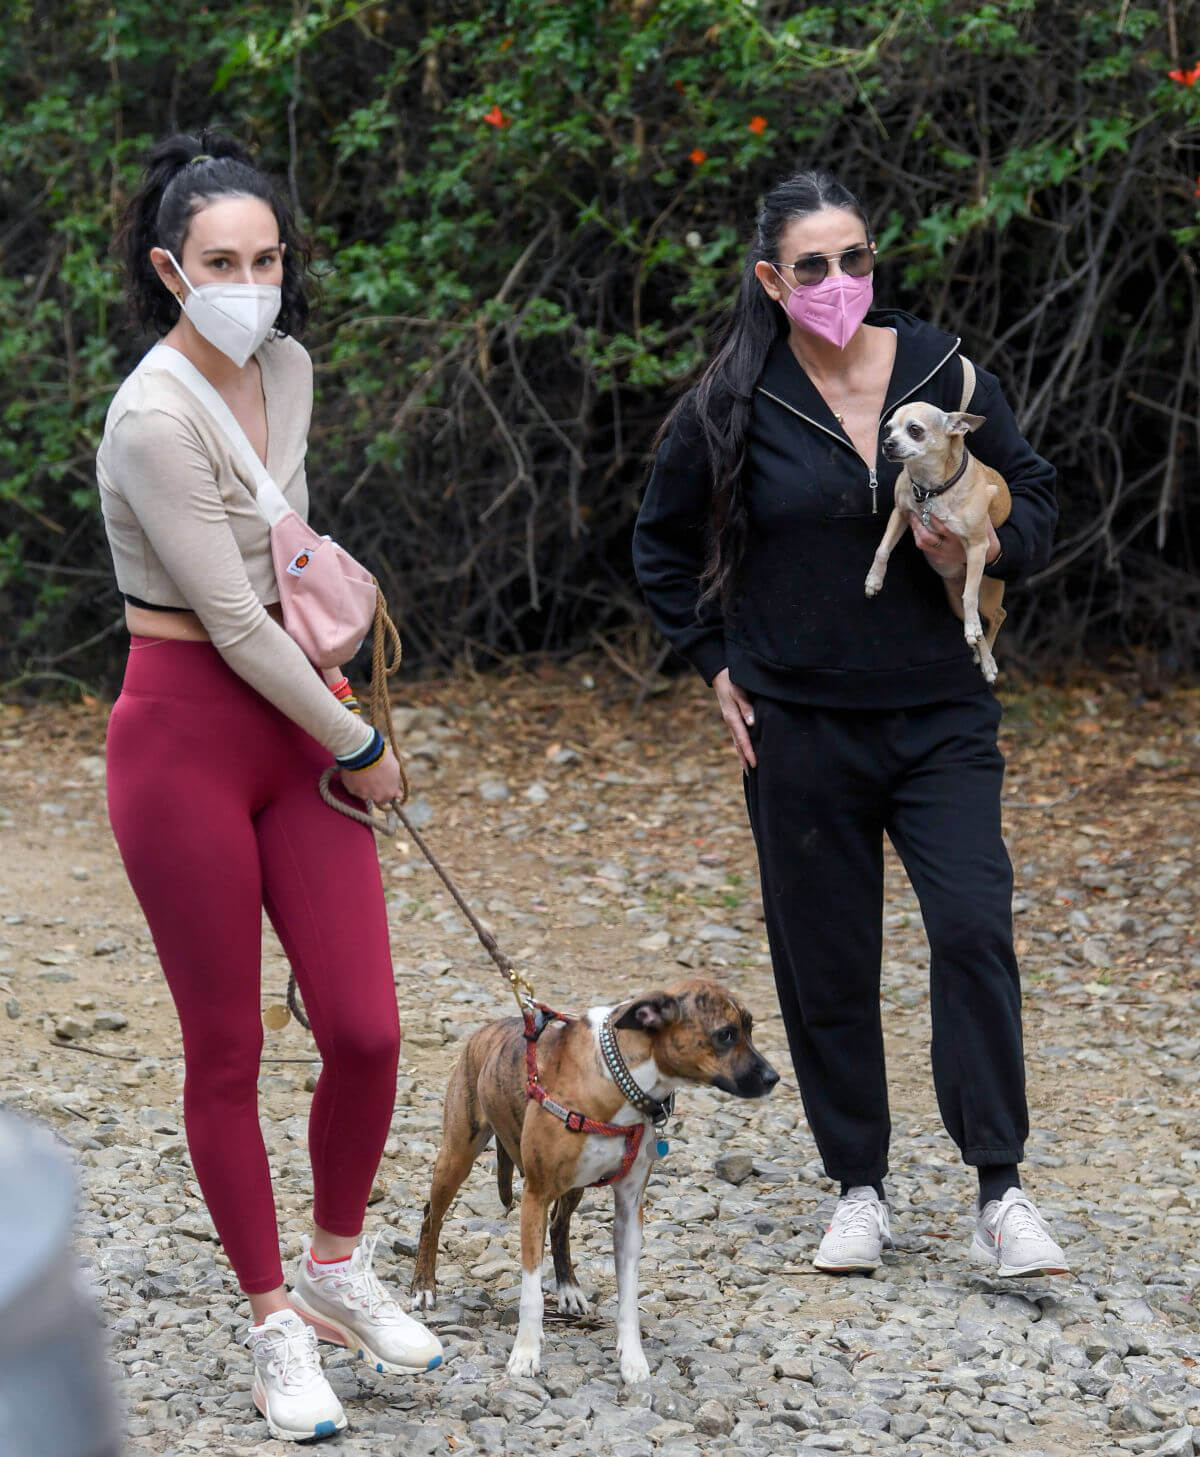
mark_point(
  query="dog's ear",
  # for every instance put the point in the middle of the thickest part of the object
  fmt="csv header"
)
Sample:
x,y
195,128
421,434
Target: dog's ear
x,y
649,1014
958,422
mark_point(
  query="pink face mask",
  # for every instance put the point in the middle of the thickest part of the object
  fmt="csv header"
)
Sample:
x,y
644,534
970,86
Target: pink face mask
x,y
832,309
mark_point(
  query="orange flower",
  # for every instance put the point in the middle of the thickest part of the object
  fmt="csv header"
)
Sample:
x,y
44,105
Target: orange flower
x,y
1185,78
697,155
496,118
758,125
506,43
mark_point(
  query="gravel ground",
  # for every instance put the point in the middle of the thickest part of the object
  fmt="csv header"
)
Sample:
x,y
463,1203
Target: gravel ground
x,y
608,851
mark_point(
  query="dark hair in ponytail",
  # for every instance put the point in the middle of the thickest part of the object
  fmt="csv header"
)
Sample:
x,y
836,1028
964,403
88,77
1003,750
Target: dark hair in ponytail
x,y
720,401
183,173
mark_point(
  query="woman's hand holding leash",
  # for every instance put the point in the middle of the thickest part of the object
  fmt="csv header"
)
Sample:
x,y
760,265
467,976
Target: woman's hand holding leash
x,y
381,783
738,713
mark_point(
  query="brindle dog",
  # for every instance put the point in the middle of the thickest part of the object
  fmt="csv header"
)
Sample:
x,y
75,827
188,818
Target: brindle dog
x,y
694,1033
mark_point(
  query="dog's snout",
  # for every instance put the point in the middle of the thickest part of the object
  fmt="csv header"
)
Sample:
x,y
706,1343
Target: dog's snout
x,y
757,1081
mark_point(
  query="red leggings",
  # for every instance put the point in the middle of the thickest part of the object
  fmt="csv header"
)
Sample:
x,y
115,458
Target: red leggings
x,y
212,794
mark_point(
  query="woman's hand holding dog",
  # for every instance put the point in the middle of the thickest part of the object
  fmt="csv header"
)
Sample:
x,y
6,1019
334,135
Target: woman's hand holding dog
x,y
944,551
738,713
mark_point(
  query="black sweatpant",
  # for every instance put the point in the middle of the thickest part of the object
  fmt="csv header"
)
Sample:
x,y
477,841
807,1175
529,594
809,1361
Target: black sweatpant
x,y
829,784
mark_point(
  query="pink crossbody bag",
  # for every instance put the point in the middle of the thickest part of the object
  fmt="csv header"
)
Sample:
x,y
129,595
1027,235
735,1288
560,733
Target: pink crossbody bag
x,y
328,598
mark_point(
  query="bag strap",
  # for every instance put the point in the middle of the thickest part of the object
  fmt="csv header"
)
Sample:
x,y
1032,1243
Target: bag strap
x,y
269,499
968,371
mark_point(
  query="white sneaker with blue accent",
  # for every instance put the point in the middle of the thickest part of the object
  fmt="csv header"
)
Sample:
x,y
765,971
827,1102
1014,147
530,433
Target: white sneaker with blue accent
x,y
289,1386
856,1234
345,1303
1013,1236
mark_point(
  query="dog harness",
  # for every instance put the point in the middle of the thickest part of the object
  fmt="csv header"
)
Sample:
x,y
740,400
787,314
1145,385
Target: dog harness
x,y
537,1017
923,495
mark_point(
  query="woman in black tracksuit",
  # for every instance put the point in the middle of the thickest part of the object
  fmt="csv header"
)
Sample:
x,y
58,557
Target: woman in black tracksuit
x,y
854,717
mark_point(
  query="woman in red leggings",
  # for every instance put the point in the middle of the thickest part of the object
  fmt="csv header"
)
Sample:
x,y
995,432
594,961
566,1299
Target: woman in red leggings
x,y
215,745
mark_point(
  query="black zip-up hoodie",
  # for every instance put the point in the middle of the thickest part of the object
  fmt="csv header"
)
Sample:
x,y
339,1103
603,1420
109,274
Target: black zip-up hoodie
x,y
800,626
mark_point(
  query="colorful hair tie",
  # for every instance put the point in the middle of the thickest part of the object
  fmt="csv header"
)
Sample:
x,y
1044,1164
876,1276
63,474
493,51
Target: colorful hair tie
x,y
371,753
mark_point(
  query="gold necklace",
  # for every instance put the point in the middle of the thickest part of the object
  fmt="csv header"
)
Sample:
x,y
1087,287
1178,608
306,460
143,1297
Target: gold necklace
x,y
838,415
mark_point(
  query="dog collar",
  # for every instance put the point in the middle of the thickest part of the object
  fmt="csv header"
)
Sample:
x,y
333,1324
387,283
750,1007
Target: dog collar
x,y
657,1111
537,1017
921,494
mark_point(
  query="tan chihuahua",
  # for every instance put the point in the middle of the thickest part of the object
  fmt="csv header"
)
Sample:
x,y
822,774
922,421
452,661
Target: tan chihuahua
x,y
942,482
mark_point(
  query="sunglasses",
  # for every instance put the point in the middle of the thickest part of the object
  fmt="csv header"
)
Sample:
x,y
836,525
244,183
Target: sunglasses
x,y
813,267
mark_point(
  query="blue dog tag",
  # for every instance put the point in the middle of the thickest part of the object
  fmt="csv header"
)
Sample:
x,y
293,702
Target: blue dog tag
x,y
662,1148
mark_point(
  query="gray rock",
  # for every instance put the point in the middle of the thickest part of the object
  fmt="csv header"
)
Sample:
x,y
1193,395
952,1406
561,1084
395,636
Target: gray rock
x,y
908,1424
713,1419
419,811
734,1168
1180,1443
195,1226
72,1029
1135,1416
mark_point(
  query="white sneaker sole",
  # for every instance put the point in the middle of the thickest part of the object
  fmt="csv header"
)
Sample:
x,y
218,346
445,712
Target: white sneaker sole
x,y
337,1334
849,1267
316,1433
981,1254
860,1267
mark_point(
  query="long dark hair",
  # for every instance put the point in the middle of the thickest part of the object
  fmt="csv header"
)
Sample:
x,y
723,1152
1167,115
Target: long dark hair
x,y
183,173
719,403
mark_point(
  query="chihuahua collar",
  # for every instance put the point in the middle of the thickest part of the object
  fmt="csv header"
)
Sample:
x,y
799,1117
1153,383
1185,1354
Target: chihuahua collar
x,y
650,1107
921,494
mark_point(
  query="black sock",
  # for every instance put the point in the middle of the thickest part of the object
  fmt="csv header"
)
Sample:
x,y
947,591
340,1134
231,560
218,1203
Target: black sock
x,y
995,1180
879,1194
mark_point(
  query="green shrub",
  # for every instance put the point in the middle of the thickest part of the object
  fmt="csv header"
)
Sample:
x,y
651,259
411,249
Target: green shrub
x,y
532,217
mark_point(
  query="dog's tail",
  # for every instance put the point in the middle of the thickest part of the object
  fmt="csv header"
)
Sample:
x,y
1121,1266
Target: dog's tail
x,y
504,1173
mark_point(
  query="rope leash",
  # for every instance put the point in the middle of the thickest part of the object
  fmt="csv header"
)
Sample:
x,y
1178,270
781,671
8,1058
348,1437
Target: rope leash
x,y
536,1016
386,820
385,665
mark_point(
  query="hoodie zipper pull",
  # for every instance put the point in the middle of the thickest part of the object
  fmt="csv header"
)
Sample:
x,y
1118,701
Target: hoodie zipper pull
x,y
874,492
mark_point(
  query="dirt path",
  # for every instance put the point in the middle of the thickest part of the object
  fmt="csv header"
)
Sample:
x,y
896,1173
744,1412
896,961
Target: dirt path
x,y
609,853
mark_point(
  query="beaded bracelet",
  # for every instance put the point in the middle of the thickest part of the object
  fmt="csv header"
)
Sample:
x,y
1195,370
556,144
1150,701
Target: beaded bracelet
x,y
369,754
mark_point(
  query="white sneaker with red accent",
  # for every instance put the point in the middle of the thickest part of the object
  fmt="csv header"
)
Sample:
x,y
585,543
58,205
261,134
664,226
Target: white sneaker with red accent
x,y
346,1304
289,1386
856,1234
1013,1236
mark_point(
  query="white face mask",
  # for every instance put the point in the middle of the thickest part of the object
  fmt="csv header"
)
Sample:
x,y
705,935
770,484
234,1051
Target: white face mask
x,y
234,317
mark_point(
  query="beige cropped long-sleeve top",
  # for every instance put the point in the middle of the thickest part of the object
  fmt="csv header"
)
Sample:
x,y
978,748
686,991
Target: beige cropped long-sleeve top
x,y
185,532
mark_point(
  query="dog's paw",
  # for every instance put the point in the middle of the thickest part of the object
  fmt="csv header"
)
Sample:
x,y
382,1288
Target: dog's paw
x,y
634,1367
988,665
526,1359
973,630
572,1301
423,1300
873,583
